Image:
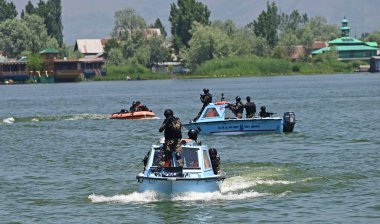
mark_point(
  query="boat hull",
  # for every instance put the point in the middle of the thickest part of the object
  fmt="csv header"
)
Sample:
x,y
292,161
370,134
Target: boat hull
x,y
173,185
238,126
134,115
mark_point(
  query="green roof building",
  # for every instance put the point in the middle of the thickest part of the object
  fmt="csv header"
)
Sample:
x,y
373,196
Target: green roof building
x,y
350,48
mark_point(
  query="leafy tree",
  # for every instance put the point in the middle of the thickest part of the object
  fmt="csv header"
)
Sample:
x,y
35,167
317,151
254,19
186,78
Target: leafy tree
x,y
51,12
267,24
110,44
35,62
127,21
206,43
374,37
293,22
158,24
182,17
158,52
29,9
115,56
53,20
39,37
288,41
321,30
7,10
228,26
14,37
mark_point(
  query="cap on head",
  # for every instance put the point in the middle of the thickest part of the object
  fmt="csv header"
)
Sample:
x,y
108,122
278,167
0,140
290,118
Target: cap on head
x,y
248,98
263,108
238,98
168,112
205,90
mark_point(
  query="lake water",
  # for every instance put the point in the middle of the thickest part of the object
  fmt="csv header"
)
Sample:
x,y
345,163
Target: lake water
x,y
63,161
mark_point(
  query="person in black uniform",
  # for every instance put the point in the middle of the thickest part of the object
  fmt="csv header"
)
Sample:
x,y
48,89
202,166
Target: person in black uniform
x,y
205,98
250,108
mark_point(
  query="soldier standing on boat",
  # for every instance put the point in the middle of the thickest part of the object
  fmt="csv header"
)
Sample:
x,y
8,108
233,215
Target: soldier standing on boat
x,y
205,98
237,108
215,160
250,108
172,128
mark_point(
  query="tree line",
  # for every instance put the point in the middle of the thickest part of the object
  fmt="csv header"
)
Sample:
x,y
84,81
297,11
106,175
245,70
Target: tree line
x,y
194,38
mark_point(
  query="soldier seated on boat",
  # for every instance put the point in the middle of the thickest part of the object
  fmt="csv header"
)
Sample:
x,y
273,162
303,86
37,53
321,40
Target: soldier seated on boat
x,y
237,108
192,139
133,107
264,113
215,160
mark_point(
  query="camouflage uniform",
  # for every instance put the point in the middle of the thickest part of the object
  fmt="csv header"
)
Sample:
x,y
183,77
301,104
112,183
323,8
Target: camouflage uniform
x,y
250,109
237,109
172,127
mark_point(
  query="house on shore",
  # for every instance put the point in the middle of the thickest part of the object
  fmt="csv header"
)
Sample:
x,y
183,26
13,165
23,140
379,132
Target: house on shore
x,y
349,48
55,68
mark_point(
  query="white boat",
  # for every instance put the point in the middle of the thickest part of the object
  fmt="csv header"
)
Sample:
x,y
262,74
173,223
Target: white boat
x,y
196,175
217,119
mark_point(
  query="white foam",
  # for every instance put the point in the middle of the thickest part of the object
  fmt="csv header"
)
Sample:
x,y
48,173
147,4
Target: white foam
x,y
193,196
148,196
9,120
239,183
87,116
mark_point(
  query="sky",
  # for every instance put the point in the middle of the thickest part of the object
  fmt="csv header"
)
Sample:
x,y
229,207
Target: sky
x,y
84,19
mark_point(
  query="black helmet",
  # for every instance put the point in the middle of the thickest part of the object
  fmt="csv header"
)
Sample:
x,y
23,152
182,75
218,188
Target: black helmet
x,y
263,108
168,112
193,134
212,152
248,98
205,90
238,98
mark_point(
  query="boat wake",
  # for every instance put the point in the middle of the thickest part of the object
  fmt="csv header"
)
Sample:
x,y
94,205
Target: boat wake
x,y
74,117
234,188
9,120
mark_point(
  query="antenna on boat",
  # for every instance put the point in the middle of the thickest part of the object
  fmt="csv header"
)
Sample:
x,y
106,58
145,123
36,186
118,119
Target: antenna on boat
x,y
222,99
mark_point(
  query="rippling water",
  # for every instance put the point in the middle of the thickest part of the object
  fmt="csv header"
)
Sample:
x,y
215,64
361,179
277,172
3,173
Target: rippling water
x,y
63,161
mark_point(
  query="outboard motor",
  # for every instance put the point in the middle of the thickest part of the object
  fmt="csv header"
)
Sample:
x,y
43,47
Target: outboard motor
x,y
289,121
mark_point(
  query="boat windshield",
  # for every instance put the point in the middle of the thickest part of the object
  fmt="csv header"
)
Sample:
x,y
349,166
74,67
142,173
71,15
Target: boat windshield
x,y
211,112
190,157
156,157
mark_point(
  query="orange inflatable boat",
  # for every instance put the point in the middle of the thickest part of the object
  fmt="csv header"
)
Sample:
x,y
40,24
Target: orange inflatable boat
x,y
133,115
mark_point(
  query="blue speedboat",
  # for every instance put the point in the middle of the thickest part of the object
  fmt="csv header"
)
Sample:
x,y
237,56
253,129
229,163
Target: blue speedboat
x,y
196,175
216,118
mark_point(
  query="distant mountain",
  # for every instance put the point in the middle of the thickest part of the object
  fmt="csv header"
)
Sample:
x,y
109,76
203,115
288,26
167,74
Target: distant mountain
x,y
95,18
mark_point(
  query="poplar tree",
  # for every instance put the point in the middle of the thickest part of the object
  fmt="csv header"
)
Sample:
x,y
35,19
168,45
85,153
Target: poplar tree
x,y
7,10
182,17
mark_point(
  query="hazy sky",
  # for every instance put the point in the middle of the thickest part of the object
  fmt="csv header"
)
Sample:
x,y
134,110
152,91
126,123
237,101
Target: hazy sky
x,y
95,18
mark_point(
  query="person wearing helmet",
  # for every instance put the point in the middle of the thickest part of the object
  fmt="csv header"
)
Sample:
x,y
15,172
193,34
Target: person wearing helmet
x,y
237,108
215,160
205,98
172,128
192,139
264,113
250,108
133,107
